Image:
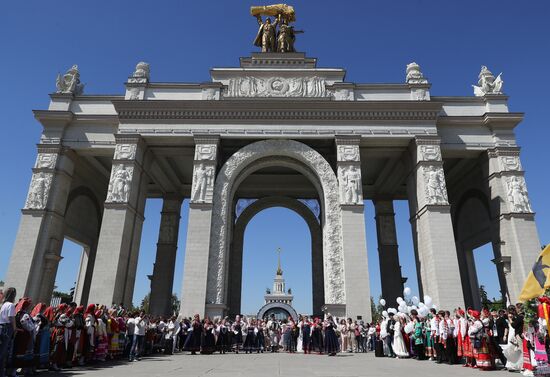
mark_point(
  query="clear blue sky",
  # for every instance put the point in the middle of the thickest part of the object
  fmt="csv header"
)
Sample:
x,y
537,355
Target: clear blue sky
x,y
373,40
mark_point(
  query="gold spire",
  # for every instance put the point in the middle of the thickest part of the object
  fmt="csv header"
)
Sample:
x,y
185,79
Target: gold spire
x,y
279,271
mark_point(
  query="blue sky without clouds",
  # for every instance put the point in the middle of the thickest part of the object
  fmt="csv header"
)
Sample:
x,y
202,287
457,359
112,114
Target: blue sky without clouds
x,y
182,40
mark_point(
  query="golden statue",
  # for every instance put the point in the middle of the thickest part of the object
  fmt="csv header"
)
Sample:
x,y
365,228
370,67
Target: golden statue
x,y
268,38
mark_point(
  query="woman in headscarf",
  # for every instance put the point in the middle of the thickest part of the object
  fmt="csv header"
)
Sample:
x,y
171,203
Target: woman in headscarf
x,y
193,342
23,345
112,331
317,336
101,336
58,342
88,343
78,328
42,340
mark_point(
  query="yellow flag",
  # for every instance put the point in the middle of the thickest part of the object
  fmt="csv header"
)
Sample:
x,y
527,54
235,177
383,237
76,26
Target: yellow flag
x,y
537,280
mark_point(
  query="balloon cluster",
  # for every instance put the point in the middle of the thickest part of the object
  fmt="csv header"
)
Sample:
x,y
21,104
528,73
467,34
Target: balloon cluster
x,y
409,303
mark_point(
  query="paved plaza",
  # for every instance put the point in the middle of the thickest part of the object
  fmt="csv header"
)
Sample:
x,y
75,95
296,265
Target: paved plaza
x,y
267,365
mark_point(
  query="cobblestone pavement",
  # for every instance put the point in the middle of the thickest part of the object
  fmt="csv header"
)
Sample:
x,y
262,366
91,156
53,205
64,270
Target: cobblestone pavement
x,y
267,365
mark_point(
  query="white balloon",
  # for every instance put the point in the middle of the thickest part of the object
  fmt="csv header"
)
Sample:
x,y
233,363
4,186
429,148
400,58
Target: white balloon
x,y
385,313
428,301
421,304
407,291
415,300
399,300
414,307
382,302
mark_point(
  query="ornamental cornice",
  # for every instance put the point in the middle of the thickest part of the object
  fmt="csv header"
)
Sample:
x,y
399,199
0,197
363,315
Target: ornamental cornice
x,y
319,110
503,151
427,140
502,120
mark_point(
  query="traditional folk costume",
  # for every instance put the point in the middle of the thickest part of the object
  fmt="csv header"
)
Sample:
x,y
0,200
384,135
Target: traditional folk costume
x,y
464,347
193,342
417,339
79,330
23,344
89,341
223,343
42,340
305,327
331,340
429,340
450,344
274,334
237,336
102,337
317,336
208,340
260,338
250,341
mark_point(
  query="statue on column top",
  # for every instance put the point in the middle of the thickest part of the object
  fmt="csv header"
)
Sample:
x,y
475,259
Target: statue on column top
x,y
69,82
487,84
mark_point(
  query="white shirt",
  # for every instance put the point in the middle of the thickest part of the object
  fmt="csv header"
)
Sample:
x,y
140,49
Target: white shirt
x,y
140,326
7,311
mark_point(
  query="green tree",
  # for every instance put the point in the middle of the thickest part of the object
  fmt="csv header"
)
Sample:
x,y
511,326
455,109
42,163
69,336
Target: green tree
x,y
485,302
376,309
65,297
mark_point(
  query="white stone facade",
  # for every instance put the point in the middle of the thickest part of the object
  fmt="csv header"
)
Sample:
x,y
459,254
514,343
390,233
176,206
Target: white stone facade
x,y
275,127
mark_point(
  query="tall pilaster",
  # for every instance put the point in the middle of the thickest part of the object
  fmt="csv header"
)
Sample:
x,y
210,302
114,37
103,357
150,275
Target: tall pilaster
x,y
197,247
390,269
353,227
37,250
119,239
437,264
515,238
162,281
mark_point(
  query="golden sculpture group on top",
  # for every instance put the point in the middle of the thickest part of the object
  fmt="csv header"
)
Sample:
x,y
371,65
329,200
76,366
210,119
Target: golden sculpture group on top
x,y
269,38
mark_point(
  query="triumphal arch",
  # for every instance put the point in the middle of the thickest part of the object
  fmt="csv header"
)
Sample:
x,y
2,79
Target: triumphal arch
x,y
277,130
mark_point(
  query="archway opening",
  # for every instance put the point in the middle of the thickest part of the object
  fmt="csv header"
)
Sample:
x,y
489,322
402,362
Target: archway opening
x,y
73,258
269,230
488,283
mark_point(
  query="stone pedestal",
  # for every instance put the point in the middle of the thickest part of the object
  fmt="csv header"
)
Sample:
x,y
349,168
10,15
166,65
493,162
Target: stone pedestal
x,y
437,264
120,235
390,269
37,249
162,280
515,237
353,228
197,247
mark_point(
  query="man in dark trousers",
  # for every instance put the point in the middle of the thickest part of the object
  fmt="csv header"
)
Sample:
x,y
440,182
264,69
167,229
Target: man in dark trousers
x,y
389,329
496,335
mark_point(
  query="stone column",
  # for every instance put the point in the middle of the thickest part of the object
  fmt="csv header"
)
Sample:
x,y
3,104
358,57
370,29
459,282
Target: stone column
x,y
390,270
162,281
197,247
37,249
515,238
120,235
353,228
85,273
437,257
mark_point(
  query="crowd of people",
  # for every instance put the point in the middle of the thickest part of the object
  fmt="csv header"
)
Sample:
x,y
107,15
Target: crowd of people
x,y
34,337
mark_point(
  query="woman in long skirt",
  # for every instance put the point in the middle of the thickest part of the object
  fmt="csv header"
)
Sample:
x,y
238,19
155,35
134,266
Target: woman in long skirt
x,y
317,336
250,341
193,342
237,330
331,340
290,340
23,344
223,343
260,336
398,345
208,340
306,335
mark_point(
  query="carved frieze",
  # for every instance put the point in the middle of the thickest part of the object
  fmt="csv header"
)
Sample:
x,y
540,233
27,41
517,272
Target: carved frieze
x,y
435,187
517,195
344,94
205,152
253,86
348,153
125,152
430,153
46,161
39,190
510,163
120,184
